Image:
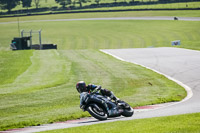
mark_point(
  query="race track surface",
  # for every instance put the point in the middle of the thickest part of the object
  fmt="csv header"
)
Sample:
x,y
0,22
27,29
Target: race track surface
x,y
114,18
180,65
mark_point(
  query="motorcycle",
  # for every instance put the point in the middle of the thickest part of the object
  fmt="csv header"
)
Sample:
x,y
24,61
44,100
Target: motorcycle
x,y
98,106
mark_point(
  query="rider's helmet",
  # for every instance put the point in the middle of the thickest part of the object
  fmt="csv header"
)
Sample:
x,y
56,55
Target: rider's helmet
x,y
81,87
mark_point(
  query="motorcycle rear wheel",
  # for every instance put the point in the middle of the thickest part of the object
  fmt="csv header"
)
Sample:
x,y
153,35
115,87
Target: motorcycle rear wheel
x,y
96,113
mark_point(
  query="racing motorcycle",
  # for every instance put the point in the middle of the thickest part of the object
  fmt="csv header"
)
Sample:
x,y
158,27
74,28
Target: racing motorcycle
x,y
98,106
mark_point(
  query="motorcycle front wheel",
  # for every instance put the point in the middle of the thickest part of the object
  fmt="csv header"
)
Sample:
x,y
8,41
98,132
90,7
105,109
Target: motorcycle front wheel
x,y
128,112
97,112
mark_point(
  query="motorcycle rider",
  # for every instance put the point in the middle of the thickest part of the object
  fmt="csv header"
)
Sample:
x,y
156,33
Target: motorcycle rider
x,y
91,88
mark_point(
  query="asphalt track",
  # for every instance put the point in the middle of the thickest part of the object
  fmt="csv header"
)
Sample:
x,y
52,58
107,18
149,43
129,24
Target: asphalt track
x,y
180,65
114,18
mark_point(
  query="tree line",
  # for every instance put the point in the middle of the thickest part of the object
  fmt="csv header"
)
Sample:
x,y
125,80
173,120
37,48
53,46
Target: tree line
x,y
10,4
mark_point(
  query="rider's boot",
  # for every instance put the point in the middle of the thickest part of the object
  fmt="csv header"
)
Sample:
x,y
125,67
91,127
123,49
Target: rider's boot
x,y
114,112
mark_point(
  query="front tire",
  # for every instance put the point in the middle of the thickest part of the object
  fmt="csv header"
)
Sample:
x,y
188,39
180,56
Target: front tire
x,y
96,113
128,112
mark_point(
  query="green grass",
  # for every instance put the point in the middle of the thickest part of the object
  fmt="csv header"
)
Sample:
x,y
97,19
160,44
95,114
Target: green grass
x,y
13,65
189,123
46,92
23,101
109,34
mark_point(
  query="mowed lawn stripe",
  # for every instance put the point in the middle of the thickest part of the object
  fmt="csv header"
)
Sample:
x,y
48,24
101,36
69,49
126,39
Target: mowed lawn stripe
x,y
12,64
110,34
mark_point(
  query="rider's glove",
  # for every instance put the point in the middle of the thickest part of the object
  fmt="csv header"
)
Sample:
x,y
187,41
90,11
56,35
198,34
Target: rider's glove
x,y
82,106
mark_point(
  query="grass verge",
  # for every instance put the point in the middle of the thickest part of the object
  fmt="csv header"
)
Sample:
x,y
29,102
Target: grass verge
x,y
189,123
46,93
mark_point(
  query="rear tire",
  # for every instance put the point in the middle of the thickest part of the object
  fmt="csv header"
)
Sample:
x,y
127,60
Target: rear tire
x,y
100,115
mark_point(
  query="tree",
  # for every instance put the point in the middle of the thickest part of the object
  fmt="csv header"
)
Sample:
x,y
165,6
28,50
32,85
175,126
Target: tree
x,y
81,1
74,3
26,3
37,3
64,2
9,4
